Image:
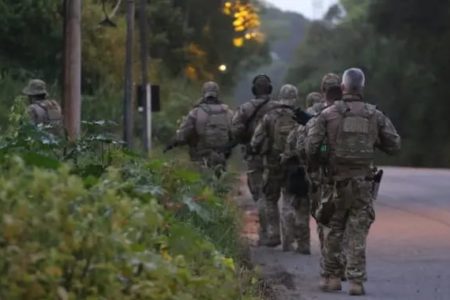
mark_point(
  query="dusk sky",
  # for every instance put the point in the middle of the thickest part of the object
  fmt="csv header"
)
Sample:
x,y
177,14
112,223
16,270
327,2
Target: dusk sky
x,y
304,7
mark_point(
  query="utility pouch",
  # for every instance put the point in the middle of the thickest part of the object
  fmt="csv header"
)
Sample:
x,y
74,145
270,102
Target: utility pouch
x,y
297,183
345,193
325,212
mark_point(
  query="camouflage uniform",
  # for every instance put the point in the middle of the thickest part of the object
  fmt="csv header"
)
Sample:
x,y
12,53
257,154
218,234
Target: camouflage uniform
x,y
207,130
245,120
269,139
321,189
42,110
315,103
352,199
314,170
295,207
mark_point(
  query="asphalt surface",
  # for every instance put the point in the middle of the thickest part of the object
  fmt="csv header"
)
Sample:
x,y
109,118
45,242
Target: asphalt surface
x,y
408,252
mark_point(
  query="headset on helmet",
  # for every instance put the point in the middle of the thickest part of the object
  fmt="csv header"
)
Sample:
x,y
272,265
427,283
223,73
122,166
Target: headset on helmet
x,y
261,76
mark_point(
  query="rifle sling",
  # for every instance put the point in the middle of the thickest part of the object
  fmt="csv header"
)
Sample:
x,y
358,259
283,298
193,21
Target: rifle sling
x,y
255,112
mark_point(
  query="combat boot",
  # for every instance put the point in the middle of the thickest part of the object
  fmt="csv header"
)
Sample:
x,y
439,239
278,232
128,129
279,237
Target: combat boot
x,y
303,248
334,283
262,241
330,284
273,233
272,241
286,244
287,247
356,289
323,283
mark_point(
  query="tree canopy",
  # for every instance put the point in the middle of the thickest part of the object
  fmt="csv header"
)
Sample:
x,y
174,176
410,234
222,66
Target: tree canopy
x,y
401,46
188,39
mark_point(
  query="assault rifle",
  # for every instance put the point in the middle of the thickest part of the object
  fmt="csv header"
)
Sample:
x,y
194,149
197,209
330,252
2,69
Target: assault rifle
x,y
170,146
301,116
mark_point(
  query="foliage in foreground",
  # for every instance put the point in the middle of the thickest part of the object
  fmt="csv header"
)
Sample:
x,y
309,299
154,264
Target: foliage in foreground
x,y
104,224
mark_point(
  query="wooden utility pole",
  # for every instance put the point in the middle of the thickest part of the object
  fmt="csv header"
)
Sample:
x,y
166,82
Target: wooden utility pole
x,y
143,25
72,68
128,120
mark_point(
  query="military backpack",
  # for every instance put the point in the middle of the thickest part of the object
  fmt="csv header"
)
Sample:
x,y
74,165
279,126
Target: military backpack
x,y
213,126
284,123
48,112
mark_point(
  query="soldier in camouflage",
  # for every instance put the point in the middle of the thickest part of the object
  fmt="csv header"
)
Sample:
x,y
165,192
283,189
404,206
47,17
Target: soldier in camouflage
x,y
206,130
331,91
295,199
42,110
245,120
321,190
315,102
269,140
351,129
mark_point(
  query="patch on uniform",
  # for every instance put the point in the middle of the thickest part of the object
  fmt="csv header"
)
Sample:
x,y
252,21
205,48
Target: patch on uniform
x,y
356,125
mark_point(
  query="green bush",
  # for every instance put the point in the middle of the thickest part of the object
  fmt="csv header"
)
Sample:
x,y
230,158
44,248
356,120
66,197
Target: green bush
x,y
68,238
90,221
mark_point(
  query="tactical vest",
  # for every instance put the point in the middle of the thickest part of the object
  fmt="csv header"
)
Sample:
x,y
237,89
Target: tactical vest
x,y
48,112
284,123
356,136
212,126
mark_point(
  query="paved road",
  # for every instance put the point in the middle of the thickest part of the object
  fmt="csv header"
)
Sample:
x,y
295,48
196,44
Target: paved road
x,y
408,247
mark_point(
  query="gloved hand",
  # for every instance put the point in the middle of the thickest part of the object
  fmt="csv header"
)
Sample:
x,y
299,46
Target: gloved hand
x,y
302,117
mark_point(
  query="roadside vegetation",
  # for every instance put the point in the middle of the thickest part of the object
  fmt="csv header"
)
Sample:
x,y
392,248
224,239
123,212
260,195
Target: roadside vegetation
x,y
90,221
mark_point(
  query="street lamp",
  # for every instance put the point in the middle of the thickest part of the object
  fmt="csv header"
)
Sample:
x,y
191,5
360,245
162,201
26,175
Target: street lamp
x,y
223,68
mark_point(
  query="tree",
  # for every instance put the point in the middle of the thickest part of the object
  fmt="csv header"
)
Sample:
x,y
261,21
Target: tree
x,y
401,45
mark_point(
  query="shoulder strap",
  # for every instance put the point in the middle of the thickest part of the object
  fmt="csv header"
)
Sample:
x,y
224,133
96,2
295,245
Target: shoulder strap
x,y
205,108
255,112
283,106
40,112
210,111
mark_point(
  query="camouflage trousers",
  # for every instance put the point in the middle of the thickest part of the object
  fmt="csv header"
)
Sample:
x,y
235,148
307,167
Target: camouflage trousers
x,y
315,196
210,159
255,168
323,192
348,229
272,182
295,221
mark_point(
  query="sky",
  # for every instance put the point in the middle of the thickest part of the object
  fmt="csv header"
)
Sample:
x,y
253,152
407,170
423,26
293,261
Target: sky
x,y
305,7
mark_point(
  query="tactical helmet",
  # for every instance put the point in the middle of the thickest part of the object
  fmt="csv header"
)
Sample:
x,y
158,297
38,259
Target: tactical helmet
x,y
313,98
353,80
210,89
35,87
330,80
288,92
262,85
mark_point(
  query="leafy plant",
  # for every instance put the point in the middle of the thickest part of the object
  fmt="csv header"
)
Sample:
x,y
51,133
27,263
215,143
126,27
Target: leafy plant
x,y
101,223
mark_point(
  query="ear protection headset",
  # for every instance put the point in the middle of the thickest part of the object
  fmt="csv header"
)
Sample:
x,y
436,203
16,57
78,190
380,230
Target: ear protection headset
x,y
261,76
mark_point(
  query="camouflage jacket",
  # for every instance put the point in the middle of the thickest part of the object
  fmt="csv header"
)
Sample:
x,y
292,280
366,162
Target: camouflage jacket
x,y
295,145
189,133
316,109
243,128
263,138
324,130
